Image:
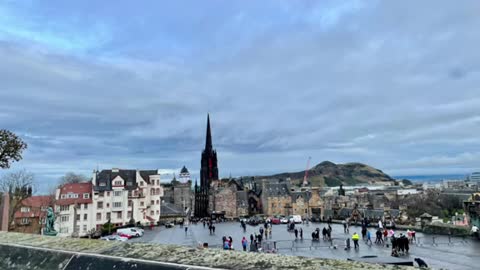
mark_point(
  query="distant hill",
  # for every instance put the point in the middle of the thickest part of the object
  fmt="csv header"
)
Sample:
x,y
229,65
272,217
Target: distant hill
x,y
330,174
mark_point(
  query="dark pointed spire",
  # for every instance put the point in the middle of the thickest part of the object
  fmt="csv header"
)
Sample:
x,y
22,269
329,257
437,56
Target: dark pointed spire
x,y
208,142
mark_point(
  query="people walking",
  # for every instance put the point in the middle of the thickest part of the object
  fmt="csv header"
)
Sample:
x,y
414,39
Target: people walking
x,y
296,233
355,238
301,233
369,238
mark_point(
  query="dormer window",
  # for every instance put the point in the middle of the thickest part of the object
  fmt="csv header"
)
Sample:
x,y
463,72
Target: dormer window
x,y
141,184
117,183
103,184
129,183
25,209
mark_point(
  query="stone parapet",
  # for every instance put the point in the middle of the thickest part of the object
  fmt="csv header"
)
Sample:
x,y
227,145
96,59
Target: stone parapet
x,y
212,258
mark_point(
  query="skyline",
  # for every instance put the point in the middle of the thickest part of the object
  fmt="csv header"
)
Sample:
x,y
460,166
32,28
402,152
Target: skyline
x,y
99,85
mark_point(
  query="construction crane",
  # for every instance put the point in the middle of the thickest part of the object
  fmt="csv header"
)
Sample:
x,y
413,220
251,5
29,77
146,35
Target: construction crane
x,y
305,178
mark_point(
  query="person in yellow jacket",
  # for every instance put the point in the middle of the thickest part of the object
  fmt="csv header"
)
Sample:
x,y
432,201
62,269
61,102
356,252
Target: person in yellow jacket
x,y
355,238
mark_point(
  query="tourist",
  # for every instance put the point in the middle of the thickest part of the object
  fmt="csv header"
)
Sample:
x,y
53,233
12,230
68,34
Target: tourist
x,y
266,232
324,233
204,223
301,233
355,238
213,229
394,242
378,239
401,243
261,230
364,231
251,238
413,236
344,226
475,231
329,233
210,228
230,241
347,243
186,229
244,243
380,225
270,231
369,238
296,233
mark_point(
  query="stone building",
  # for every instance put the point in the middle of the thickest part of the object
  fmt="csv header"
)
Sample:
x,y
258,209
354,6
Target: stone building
x,y
31,215
276,198
224,198
179,193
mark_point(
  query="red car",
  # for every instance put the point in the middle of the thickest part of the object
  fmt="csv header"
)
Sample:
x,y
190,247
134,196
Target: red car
x,y
124,235
275,219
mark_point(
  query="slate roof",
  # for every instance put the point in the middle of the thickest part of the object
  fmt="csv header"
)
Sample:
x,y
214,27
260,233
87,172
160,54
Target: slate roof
x,y
184,170
107,176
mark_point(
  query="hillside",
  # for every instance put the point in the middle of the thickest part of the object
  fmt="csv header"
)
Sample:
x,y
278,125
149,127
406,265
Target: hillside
x,y
330,174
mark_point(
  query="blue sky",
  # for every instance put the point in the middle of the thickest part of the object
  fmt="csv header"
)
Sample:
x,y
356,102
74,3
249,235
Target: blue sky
x,y
128,84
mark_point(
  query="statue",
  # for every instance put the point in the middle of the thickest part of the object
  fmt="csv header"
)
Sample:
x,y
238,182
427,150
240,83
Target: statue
x,y
49,229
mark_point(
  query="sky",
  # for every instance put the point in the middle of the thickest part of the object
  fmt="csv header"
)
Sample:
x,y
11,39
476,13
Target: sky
x,y
128,84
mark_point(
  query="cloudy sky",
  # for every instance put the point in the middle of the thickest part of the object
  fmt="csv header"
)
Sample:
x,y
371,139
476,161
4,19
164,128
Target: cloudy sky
x,y
394,84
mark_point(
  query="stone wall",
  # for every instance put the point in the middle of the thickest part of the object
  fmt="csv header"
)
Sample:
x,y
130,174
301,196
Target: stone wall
x,y
119,251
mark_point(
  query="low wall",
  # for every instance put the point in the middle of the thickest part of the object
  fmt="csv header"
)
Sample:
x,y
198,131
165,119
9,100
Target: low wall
x,y
17,251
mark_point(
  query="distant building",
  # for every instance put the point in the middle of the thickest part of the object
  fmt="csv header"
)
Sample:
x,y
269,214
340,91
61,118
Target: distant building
x,y
30,217
184,176
475,176
179,193
74,209
208,173
116,196
472,209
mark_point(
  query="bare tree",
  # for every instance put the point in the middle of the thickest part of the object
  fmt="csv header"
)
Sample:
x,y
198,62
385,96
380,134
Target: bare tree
x,y
18,185
71,177
11,148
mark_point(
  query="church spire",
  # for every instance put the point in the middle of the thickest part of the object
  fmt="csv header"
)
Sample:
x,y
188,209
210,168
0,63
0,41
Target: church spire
x,y
208,142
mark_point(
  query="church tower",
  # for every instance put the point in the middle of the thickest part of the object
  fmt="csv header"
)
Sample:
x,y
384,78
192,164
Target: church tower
x,y
208,173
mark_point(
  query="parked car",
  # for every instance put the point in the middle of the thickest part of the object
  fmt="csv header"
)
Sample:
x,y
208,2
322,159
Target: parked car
x,y
115,237
134,232
283,220
276,219
295,219
124,235
169,225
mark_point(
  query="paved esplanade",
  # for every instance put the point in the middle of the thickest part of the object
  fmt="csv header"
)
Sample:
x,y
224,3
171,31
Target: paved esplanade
x,y
459,254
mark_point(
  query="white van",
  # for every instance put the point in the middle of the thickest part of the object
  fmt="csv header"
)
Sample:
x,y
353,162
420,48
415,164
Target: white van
x,y
296,219
135,232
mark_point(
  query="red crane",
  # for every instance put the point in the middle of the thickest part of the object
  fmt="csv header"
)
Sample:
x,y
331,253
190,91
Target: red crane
x,y
305,178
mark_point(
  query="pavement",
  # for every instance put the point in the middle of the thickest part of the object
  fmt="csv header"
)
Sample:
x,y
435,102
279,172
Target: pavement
x,y
438,251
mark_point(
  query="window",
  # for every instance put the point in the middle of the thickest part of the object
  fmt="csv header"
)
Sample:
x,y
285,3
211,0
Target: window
x,y
103,184
99,205
25,221
141,183
158,201
130,203
119,215
99,216
100,194
108,216
108,205
158,212
86,195
85,206
117,193
78,217
117,204
64,207
305,211
84,216
152,202
84,228
142,203
64,218
77,228
151,213
158,182
62,196
108,193
152,191
129,214
117,183
25,209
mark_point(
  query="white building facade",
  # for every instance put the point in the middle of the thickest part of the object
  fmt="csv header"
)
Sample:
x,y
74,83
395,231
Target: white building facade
x,y
118,196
